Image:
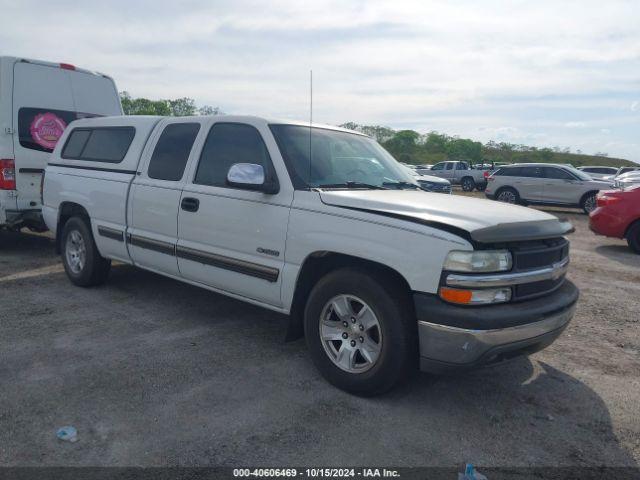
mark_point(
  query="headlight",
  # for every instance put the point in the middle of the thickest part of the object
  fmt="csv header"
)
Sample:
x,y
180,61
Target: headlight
x,y
478,261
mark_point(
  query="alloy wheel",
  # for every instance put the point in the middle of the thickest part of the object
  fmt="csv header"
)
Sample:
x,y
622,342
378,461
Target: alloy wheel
x,y
590,203
350,333
507,196
75,251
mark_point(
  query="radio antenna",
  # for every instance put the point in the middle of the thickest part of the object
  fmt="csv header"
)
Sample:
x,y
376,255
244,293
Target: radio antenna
x,y
310,117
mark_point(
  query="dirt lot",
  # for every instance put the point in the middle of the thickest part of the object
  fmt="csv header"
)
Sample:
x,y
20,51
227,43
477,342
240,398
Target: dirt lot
x,y
154,372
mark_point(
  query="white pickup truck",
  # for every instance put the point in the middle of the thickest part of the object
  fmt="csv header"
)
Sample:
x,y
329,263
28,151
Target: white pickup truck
x,y
320,223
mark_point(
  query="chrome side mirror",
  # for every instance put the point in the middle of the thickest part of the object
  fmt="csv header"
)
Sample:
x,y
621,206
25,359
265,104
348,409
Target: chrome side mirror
x,y
250,176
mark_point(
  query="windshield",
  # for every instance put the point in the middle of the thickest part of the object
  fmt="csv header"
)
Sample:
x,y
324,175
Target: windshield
x,y
338,159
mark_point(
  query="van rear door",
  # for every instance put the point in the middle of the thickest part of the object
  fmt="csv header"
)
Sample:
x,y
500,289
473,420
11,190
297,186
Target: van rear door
x,y
46,98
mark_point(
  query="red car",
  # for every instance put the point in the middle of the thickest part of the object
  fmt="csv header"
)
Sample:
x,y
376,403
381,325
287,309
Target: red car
x,y
618,215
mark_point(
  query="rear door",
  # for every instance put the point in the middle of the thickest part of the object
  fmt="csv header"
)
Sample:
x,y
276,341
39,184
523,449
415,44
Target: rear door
x,y
530,184
42,108
230,238
155,195
45,100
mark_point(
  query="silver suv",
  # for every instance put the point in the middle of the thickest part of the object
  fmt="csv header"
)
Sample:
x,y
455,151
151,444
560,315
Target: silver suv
x,y
544,184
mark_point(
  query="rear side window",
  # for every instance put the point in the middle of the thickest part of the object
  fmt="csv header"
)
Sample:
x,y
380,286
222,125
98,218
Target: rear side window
x,y
101,144
509,172
531,172
226,144
172,151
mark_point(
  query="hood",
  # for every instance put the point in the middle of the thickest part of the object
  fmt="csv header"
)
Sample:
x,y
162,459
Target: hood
x,y
601,183
484,221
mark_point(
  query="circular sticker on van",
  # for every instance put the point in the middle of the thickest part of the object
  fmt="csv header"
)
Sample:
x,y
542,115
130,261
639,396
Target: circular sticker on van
x,y
46,129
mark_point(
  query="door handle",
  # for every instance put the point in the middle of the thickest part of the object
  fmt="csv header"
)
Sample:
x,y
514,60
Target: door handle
x,y
190,204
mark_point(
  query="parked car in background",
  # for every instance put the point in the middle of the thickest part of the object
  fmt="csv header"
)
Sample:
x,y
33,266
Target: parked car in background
x,y
459,173
37,101
599,173
246,207
621,171
627,179
429,183
424,166
544,184
618,215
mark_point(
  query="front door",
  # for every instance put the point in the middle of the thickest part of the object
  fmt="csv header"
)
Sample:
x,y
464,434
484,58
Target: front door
x,y
560,186
230,238
530,183
155,197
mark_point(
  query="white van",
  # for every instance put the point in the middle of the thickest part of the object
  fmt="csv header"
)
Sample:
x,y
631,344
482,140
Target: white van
x,y
37,101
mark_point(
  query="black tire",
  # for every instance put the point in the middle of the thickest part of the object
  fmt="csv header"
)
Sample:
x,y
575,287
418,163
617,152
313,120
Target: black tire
x,y
94,269
633,237
398,329
510,195
468,184
588,202
481,187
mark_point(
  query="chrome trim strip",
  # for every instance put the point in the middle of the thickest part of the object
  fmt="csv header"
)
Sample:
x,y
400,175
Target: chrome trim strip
x,y
150,244
509,279
111,233
240,266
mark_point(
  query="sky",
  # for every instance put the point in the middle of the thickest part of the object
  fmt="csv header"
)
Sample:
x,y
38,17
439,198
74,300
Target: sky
x,y
539,73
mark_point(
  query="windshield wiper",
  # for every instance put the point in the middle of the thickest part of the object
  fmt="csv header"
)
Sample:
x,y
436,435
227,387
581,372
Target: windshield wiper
x,y
352,185
401,185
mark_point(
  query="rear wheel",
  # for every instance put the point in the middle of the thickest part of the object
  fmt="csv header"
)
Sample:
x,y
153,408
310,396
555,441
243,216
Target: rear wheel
x,y
83,263
360,332
507,195
468,184
481,187
633,237
588,202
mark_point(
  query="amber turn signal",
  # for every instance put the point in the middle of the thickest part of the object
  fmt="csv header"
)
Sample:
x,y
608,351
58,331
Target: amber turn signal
x,y
455,295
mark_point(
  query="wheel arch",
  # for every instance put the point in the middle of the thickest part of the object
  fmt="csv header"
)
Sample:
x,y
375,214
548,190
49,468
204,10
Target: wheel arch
x,y
585,195
65,212
318,264
507,187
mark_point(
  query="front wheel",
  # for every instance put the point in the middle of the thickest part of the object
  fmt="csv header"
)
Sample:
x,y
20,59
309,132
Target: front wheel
x,y
468,184
589,203
360,332
83,263
633,237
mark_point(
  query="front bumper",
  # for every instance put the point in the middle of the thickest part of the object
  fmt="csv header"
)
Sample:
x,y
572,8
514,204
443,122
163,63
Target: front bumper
x,y
458,338
604,221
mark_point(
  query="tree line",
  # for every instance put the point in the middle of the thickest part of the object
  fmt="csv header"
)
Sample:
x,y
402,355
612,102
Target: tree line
x,y
406,146
179,107
412,147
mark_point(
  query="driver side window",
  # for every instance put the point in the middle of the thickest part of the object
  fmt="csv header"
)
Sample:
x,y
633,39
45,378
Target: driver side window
x,y
227,144
438,166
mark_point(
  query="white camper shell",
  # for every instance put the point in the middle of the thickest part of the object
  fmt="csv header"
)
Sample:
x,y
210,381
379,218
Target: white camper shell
x,y
37,101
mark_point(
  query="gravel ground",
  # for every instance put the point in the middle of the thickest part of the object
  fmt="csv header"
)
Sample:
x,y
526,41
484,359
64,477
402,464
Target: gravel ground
x,y
153,372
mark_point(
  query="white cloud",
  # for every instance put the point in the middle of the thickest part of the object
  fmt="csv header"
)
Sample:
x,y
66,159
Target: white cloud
x,y
575,124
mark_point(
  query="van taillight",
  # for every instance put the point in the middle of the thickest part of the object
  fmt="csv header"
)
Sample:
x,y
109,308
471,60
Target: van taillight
x,y
7,174
486,174
42,187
